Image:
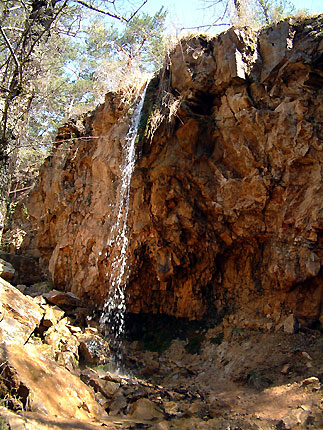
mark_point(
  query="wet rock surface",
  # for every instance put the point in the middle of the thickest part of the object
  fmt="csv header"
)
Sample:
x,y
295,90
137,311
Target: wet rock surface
x,y
226,196
93,349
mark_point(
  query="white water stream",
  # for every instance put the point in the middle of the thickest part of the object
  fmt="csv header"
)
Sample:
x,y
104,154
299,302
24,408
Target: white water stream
x,y
113,315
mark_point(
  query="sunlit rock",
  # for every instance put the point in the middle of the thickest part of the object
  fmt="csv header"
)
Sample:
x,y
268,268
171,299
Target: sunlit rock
x,y
226,195
19,315
44,386
7,272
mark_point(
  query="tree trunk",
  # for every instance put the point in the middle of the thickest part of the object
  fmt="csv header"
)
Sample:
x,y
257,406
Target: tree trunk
x,y
4,188
36,26
237,5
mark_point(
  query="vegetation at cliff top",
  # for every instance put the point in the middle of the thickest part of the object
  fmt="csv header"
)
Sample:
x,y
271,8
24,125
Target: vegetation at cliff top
x,y
249,12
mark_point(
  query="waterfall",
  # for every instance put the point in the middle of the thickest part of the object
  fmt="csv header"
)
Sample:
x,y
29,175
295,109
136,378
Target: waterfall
x,y
113,315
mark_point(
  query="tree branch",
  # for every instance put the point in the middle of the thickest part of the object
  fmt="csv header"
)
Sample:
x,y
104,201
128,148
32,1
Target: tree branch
x,y
10,48
46,28
13,29
136,11
104,12
21,189
139,48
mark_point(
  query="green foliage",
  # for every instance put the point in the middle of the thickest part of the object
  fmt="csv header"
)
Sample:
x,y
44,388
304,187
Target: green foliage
x,y
140,43
115,55
12,207
48,76
71,75
148,109
102,369
25,211
160,104
268,11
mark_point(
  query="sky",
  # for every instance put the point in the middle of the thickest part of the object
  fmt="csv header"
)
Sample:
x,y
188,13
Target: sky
x,y
191,13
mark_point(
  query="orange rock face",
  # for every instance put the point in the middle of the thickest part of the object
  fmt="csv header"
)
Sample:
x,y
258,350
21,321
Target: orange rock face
x,y
226,196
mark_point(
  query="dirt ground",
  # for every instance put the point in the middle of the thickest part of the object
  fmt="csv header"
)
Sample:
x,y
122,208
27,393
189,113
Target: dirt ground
x,y
242,380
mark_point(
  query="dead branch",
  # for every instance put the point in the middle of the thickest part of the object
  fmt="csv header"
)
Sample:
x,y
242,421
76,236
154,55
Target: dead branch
x,y
104,12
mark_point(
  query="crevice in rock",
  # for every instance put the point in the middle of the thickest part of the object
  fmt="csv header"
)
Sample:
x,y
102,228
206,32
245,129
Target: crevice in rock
x,y
201,104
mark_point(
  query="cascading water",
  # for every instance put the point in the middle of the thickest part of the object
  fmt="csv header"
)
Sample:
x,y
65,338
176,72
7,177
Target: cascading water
x,y
113,315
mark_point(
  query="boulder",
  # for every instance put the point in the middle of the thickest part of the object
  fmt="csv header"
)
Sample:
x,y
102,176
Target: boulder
x,y
297,418
19,315
163,425
145,409
7,272
26,269
118,404
312,381
44,386
35,421
106,388
21,287
102,400
290,324
93,348
38,289
64,345
53,314
135,392
62,299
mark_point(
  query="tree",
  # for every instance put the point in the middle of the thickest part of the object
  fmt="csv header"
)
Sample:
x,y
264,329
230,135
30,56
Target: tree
x,y
21,29
26,29
139,45
267,11
249,12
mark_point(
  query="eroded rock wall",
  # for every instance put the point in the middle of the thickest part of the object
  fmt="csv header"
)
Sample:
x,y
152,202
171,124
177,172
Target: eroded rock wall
x,y
226,197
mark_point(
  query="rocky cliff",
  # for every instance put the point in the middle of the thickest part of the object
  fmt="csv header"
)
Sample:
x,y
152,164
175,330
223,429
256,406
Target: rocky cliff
x,y
226,197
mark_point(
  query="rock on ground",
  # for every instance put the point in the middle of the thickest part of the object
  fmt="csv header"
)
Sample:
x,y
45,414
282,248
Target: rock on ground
x,y
7,271
44,386
19,315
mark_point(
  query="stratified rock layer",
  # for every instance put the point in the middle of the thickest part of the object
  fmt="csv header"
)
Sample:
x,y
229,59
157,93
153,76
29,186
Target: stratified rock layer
x,y
226,197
